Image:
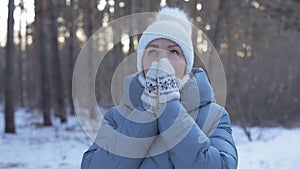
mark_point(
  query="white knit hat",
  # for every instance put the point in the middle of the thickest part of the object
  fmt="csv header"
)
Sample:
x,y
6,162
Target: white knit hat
x,y
173,24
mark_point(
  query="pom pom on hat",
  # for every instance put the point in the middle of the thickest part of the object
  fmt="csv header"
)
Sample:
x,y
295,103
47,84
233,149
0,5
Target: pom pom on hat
x,y
173,14
173,24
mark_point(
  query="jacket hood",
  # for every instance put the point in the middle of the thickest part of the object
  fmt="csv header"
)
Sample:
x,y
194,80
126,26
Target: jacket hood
x,y
195,93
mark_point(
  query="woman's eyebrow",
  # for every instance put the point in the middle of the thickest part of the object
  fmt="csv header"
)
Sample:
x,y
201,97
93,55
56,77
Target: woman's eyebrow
x,y
151,45
171,46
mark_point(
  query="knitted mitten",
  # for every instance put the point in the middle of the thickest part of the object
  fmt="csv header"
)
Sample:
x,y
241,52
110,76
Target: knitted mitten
x,y
149,96
167,86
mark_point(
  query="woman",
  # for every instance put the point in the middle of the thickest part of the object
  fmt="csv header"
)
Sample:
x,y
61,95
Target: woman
x,y
168,105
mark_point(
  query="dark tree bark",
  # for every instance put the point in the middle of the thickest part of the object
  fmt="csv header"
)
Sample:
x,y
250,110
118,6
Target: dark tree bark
x,y
71,27
89,9
117,32
41,48
59,95
21,58
9,73
133,26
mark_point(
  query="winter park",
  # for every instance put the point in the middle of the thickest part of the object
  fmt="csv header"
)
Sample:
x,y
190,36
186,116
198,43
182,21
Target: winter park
x,y
149,84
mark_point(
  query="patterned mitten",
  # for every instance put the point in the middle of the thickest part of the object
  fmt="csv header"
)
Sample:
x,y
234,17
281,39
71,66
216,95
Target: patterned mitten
x,y
167,86
149,96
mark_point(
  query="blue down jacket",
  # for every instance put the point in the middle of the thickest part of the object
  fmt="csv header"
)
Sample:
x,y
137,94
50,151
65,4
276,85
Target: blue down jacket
x,y
207,141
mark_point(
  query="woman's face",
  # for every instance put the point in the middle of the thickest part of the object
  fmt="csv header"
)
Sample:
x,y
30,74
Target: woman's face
x,y
164,48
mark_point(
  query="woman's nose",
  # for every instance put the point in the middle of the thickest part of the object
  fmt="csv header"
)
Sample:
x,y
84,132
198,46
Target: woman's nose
x,y
162,54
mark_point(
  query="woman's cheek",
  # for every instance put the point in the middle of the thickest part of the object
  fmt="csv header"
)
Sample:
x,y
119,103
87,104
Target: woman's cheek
x,y
179,69
146,63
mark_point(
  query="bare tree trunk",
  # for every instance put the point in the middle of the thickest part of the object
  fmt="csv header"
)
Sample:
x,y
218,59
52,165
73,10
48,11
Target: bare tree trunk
x,y
21,57
60,110
25,60
215,34
117,33
20,65
89,16
90,9
9,73
133,27
41,48
71,57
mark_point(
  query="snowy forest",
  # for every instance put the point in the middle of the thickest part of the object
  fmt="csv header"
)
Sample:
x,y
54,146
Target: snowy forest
x,y
40,40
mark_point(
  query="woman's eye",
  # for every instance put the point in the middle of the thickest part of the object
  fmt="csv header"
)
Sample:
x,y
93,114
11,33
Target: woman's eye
x,y
174,52
152,52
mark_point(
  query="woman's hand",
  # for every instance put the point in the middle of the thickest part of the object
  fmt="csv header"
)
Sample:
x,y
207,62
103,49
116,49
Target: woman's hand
x,y
149,96
160,86
167,87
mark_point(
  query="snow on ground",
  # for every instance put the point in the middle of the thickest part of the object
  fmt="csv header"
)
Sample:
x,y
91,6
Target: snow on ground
x,y
62,146
272,148
37,147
